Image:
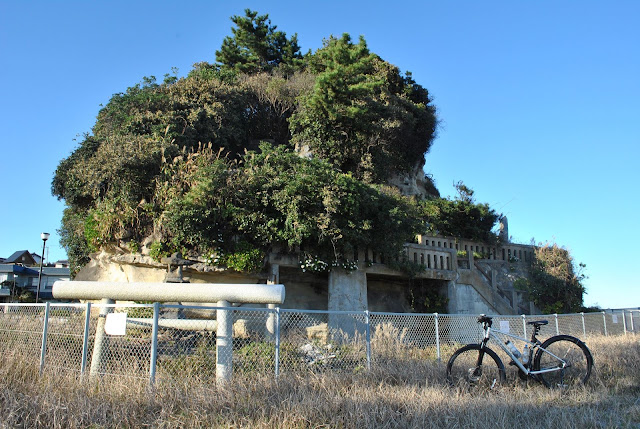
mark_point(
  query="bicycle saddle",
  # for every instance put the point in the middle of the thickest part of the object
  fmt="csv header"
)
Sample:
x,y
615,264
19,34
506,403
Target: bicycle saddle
x,y
538,322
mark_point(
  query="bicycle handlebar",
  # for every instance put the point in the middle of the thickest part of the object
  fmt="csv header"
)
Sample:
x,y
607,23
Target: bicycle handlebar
x,y
485,319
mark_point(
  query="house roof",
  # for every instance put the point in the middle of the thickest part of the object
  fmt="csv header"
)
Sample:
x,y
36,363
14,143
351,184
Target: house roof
x,y
56,271
17,269
34,271
20,257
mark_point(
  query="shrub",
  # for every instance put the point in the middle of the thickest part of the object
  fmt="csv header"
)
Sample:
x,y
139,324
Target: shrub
x,y
555,283
159,250
245,258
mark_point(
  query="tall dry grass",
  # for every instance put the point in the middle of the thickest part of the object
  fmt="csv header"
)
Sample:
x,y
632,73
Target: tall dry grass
x,y
406,393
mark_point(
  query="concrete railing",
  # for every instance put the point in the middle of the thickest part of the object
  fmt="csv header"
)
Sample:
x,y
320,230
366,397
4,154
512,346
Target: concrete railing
x,y
510,252
431,258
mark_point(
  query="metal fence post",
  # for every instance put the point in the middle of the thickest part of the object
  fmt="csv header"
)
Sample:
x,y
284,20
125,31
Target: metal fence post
x,y
604,321
154,344
437,336
368,337
524,325
633,329
584,328
624,322
557,329
277,335
85,339
43,348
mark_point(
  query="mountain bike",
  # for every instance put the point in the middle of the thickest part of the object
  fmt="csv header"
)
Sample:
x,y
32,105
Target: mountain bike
x,y
559,362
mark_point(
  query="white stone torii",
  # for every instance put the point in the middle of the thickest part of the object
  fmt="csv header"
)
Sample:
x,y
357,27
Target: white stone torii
x,y
222,294
170,292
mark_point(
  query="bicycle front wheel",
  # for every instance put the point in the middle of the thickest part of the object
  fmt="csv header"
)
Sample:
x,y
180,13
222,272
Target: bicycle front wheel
x,y
565,360
472,366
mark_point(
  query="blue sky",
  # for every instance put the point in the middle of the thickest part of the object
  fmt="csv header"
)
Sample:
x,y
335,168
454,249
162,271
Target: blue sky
x,y
538,102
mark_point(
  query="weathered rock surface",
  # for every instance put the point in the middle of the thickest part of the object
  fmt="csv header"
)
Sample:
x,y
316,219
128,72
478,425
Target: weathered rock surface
x,y
414,182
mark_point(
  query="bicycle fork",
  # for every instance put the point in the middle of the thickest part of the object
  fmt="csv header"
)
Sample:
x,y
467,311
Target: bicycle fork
x,y
476,373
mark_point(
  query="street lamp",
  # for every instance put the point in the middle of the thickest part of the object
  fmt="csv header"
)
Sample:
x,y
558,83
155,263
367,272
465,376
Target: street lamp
x,y
45,237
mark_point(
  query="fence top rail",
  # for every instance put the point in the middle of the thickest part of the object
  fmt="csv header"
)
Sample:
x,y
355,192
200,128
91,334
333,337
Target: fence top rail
x,y
217,307
293,310
72,304
21,304
386,313
102,305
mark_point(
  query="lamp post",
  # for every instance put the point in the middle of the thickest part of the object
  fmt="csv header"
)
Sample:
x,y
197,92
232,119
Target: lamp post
x,y
15,284
45,237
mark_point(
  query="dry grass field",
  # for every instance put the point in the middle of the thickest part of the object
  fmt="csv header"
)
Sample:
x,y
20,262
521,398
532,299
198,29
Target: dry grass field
x,y
407,395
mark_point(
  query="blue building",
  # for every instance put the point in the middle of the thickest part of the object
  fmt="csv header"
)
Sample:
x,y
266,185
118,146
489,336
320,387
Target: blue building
x,y
22,269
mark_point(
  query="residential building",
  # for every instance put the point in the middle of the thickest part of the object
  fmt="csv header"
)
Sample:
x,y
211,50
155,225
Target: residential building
x,y
22,270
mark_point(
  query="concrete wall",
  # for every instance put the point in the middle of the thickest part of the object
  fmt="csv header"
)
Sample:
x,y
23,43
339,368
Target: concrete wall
x,y
387,294
464,299
306,291
347,290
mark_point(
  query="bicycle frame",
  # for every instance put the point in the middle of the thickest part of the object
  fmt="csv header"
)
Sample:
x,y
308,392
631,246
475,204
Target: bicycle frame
x,y
498,335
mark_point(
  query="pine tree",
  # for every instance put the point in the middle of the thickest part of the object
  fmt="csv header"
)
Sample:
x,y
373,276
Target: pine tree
x,y
256,46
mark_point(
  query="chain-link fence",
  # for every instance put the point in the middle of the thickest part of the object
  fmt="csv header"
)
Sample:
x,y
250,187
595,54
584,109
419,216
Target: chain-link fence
x,y
206,343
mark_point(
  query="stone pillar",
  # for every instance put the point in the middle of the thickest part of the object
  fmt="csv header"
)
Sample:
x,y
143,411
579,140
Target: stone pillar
x,y
274,278
224,344
504,230
347,292
452,306
101,341
274,274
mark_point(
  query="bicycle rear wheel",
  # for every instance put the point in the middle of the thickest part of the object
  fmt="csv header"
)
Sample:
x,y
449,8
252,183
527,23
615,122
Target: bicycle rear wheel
x,y
575,354
465,369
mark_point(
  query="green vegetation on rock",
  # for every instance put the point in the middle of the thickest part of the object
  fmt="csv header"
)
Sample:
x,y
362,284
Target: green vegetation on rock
x,y
266,148
554,283
363,115
461,217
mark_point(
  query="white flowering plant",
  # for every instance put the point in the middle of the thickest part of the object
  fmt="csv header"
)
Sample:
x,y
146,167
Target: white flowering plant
x,y
346,264
313,264
214,257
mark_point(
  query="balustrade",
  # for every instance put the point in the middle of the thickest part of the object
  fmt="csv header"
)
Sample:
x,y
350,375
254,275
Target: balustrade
x,y
439,253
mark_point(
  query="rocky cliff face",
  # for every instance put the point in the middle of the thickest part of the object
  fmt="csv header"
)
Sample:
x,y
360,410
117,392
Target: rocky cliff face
x,y
105,266
415,182
127,267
